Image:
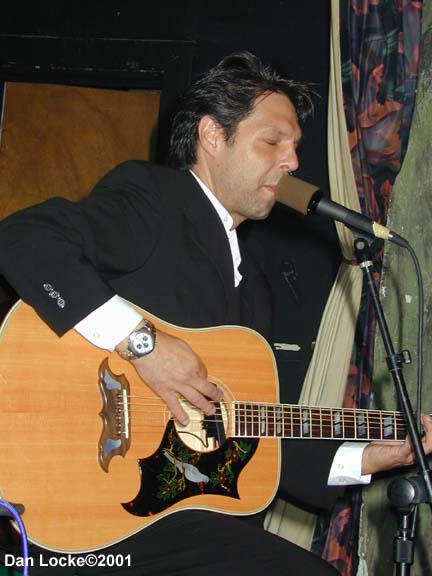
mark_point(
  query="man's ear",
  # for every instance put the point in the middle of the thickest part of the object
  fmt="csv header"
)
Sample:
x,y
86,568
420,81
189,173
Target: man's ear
x,y
210,134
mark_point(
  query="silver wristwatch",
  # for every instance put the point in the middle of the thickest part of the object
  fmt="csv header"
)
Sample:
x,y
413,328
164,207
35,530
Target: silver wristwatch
x,y
140,342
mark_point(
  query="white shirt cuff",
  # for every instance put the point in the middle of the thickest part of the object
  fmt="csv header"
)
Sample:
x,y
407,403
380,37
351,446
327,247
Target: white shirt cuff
x,y
109,324
346,467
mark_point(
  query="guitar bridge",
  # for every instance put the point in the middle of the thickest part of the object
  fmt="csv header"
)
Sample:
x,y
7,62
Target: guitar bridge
x,y
115,438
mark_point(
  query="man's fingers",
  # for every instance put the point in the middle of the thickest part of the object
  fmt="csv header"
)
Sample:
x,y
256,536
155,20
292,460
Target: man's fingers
x,y
176,409
212,391
196,398
205,402
427,427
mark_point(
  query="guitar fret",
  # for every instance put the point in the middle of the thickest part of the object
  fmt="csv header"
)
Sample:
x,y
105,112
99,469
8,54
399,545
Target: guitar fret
x,y
255,419
270,420
264,420
305,422
237,419
327,427
248,420
297,429
270,412
318,425
374,425
256,429
349,424
261,421
274,420
388,427
243,417
247,417
278,424
314,422
297,423
336,419
360,425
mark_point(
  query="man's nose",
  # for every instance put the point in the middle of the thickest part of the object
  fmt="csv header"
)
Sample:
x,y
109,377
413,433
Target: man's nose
x,y
289,161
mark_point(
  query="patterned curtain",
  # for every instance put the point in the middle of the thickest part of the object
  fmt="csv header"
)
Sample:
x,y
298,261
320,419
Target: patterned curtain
x,y
380,54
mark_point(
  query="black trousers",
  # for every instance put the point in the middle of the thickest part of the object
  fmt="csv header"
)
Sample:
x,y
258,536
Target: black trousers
x,y
192,543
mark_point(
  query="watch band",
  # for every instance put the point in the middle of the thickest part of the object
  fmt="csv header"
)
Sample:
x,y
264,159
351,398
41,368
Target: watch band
x,y
140,342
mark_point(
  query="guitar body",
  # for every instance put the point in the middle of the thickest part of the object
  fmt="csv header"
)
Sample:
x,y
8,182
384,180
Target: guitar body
x,y
93,454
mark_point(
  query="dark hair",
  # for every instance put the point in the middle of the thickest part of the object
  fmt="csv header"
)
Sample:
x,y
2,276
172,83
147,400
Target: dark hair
x,y
228,93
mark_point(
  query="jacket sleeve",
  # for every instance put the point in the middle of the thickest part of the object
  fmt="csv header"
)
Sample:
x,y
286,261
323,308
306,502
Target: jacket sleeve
x,y
304,473
59,256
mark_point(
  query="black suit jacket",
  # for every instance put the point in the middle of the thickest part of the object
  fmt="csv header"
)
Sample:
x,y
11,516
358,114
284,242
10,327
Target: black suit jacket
x,y
150,235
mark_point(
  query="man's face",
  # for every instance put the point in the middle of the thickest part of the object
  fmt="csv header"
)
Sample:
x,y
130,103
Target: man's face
x,y
247,168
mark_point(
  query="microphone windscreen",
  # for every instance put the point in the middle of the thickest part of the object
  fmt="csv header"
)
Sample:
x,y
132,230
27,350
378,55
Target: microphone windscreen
x,y
295,193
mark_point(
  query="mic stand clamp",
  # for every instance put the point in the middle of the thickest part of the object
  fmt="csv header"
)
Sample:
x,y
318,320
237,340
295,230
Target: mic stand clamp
x,y
404,494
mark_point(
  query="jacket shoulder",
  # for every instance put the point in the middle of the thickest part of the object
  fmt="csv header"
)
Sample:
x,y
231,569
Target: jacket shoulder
x,y
141,171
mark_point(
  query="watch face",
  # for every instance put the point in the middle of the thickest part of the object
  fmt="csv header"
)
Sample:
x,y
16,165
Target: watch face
x,y
141,343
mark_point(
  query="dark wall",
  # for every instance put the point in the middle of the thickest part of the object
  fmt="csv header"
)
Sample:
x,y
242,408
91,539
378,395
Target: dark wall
x,y
136,39
165,44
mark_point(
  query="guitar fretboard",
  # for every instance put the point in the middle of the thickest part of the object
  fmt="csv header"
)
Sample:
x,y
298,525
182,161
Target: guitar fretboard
x,y
255,420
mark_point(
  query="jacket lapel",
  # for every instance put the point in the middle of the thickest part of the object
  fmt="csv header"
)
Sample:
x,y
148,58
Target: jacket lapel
x,y
207,231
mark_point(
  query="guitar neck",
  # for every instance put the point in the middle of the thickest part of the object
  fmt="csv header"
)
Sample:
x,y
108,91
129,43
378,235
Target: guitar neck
x,y
256,420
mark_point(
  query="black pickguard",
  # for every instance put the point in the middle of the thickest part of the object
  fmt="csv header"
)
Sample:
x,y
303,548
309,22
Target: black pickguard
x,y
164,475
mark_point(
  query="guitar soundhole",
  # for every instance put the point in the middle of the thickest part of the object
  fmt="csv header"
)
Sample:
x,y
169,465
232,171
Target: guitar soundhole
x,y
204,433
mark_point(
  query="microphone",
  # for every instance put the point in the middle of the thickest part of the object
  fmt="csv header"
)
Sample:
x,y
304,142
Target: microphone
x,y
308,200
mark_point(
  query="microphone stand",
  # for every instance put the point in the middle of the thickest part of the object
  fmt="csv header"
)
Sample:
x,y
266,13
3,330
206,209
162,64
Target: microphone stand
x,y
405,493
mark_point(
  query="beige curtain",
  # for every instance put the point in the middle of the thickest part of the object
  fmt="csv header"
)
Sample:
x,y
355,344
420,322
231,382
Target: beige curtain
x,y
325,381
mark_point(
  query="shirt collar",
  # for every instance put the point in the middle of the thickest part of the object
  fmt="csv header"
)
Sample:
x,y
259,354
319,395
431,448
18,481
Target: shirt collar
x,y
224,215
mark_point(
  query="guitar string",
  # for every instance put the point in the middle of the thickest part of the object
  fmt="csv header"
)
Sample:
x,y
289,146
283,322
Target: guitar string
x,y
255,419
316,430
316,420
347,416
286,424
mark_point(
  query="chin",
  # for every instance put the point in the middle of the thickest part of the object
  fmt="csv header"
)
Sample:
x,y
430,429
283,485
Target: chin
x,y
260,215
265,211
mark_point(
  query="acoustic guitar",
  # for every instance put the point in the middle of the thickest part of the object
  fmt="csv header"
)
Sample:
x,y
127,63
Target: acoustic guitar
x,y
94,456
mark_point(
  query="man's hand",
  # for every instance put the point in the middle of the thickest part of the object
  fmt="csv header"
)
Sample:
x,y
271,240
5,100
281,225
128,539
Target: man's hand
x,y
380,456
173,369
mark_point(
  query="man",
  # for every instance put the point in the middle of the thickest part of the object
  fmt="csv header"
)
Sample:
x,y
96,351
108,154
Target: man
x,y
166,240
